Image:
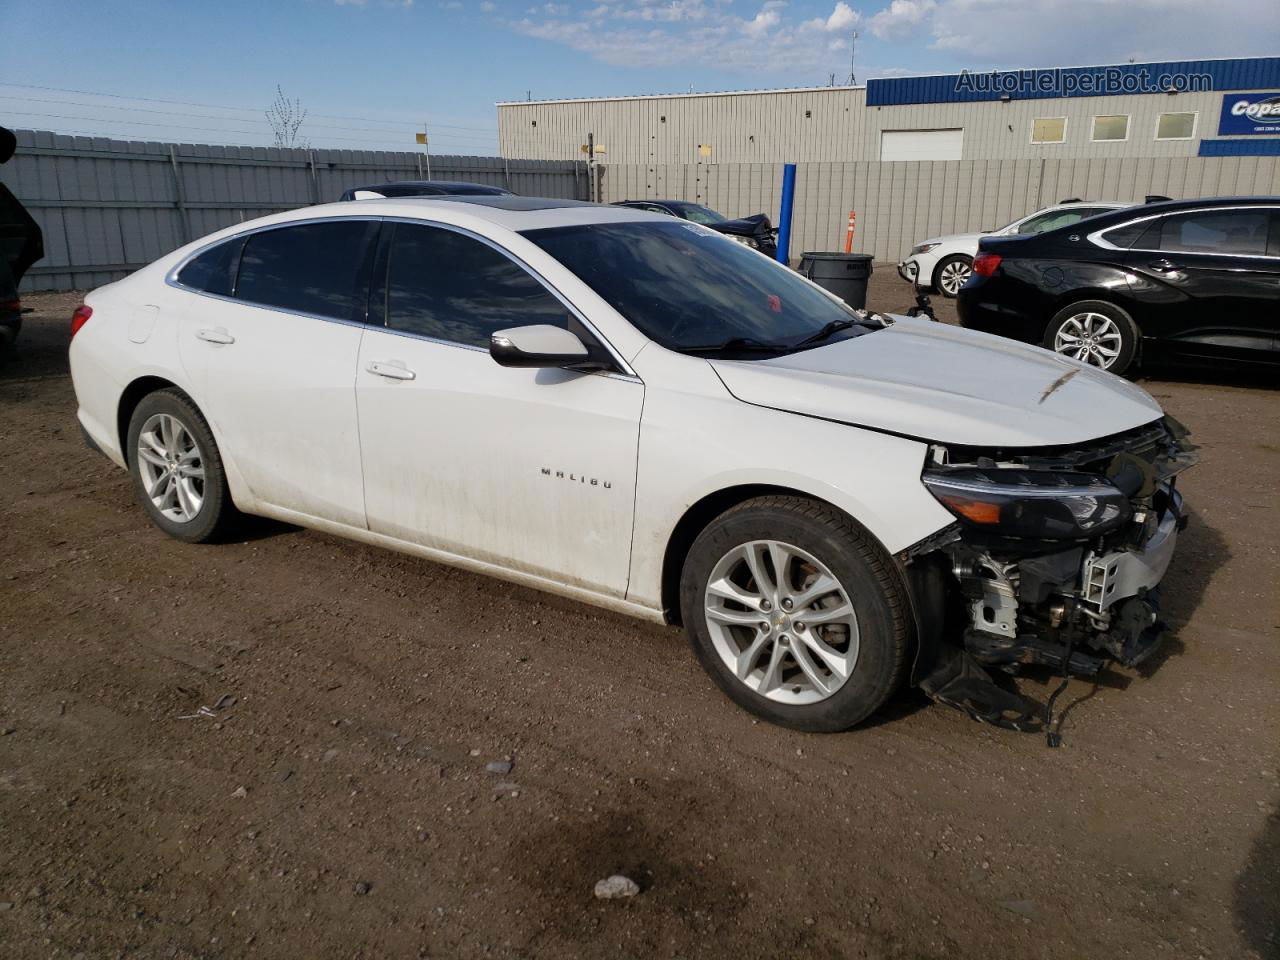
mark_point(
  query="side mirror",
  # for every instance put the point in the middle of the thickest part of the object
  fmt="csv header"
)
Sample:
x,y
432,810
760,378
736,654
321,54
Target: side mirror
x,y
537,345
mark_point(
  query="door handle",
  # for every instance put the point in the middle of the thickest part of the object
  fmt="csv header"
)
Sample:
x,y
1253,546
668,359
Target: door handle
x,y
392,370
1164,266
215,336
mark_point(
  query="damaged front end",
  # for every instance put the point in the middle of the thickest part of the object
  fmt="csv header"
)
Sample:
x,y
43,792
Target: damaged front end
x,y
1054,559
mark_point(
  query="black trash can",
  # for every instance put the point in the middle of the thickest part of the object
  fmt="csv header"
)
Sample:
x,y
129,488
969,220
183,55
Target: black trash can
x,y
844,274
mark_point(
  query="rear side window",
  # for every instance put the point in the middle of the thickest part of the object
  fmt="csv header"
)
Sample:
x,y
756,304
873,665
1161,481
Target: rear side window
x,y
1125,235
1212,231
452,287
214,270
316,268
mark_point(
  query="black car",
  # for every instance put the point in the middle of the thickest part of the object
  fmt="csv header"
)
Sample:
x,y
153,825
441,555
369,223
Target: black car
x,y
755,232
21,245
1196,279
425,188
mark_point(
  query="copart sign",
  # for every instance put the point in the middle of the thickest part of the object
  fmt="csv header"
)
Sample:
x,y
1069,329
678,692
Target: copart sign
x,y
1250,113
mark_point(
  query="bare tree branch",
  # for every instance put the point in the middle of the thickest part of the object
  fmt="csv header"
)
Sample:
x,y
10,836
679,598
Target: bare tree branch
x,y
285,117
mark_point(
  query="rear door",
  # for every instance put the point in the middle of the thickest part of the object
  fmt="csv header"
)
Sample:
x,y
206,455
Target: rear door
x,y
1208,281
270,344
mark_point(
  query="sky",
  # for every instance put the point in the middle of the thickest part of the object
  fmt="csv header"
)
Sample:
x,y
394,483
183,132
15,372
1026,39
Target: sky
x,y
371,73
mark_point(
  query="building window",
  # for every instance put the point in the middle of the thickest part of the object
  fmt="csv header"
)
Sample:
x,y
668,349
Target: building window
x,y
1176,126
1049,130
1111,128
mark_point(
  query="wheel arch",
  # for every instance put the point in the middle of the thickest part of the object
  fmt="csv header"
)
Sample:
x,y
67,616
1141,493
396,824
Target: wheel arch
x,y
701,513
129,400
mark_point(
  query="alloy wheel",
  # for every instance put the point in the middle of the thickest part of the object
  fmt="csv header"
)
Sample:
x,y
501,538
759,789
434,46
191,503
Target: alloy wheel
x,y
954,276
1090,337
781,622
172,468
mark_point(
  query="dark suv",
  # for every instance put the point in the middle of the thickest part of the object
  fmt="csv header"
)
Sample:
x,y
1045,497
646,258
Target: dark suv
x,y
1188,278
755,231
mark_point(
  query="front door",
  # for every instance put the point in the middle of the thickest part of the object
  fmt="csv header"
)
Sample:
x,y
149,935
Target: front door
x,y
273,366
1207,284
532,470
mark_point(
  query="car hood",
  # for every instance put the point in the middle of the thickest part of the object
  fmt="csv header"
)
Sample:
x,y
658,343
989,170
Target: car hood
x,y
933,381
954,239
747,226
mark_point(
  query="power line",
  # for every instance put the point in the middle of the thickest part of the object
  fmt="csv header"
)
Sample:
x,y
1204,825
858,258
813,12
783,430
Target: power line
x,y
459,144
214,106
122,121
206,116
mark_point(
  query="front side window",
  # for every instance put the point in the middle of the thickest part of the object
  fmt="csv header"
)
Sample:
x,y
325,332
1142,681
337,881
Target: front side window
x,y
1211,231
315,268
1111,127
690,288
1054,219
1176,126
448,286
1049,130
213,270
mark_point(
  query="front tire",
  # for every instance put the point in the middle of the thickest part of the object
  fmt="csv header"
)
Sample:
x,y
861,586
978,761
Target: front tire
x,y
1094,332
796,612
951,274
177,471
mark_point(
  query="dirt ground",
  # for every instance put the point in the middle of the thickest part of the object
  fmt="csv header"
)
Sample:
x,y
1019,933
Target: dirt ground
x,y
336,803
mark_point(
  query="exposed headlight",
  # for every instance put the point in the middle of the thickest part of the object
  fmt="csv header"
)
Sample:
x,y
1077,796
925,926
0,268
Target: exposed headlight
x,y
923,247
745,241
1031,504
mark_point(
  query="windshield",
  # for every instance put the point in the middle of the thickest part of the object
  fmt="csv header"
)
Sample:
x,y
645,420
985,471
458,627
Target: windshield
x,y
698,213
692,289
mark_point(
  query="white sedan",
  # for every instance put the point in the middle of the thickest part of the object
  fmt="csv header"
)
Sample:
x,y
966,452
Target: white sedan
x,y
944,263
639,413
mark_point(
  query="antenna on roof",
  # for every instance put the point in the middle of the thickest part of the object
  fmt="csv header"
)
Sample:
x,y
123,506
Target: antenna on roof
x,y
853,59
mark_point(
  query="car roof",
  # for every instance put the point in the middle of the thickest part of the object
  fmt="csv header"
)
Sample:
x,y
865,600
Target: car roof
x,y
435,185
1146,210
507,211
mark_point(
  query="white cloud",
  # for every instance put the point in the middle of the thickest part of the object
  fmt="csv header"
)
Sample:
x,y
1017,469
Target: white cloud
x,y
843,17
488,7
765,20
902,18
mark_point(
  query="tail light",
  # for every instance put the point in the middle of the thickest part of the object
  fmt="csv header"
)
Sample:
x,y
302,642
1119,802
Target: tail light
x,y
80,318
11,305
984,264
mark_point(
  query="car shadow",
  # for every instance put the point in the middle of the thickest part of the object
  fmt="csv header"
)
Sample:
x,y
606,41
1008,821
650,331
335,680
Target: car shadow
x,y
1257,892
1256,377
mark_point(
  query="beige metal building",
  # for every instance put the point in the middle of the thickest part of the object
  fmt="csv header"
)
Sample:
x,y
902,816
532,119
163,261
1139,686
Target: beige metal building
x,y
1161,110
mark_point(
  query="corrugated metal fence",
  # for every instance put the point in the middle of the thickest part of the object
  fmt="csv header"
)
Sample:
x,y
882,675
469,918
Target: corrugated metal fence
x,y
901,203
110,206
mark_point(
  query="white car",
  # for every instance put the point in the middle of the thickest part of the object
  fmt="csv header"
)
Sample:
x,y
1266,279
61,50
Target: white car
x,y
639,413
944,263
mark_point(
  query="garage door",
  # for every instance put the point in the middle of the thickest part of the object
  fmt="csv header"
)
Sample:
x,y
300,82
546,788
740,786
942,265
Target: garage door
x,y
921,144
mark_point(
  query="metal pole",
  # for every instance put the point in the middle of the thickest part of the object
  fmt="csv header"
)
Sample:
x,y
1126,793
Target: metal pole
x,y
784,214
177,193
315,183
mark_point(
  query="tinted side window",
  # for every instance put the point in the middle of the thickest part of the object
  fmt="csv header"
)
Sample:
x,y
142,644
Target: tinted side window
x,y
214,270
452,287
311,268
1216,231
1124,235
1055,219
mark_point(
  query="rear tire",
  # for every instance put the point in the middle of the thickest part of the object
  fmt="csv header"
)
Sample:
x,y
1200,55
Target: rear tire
x,y
951,274
820,647
177,471
1095,332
